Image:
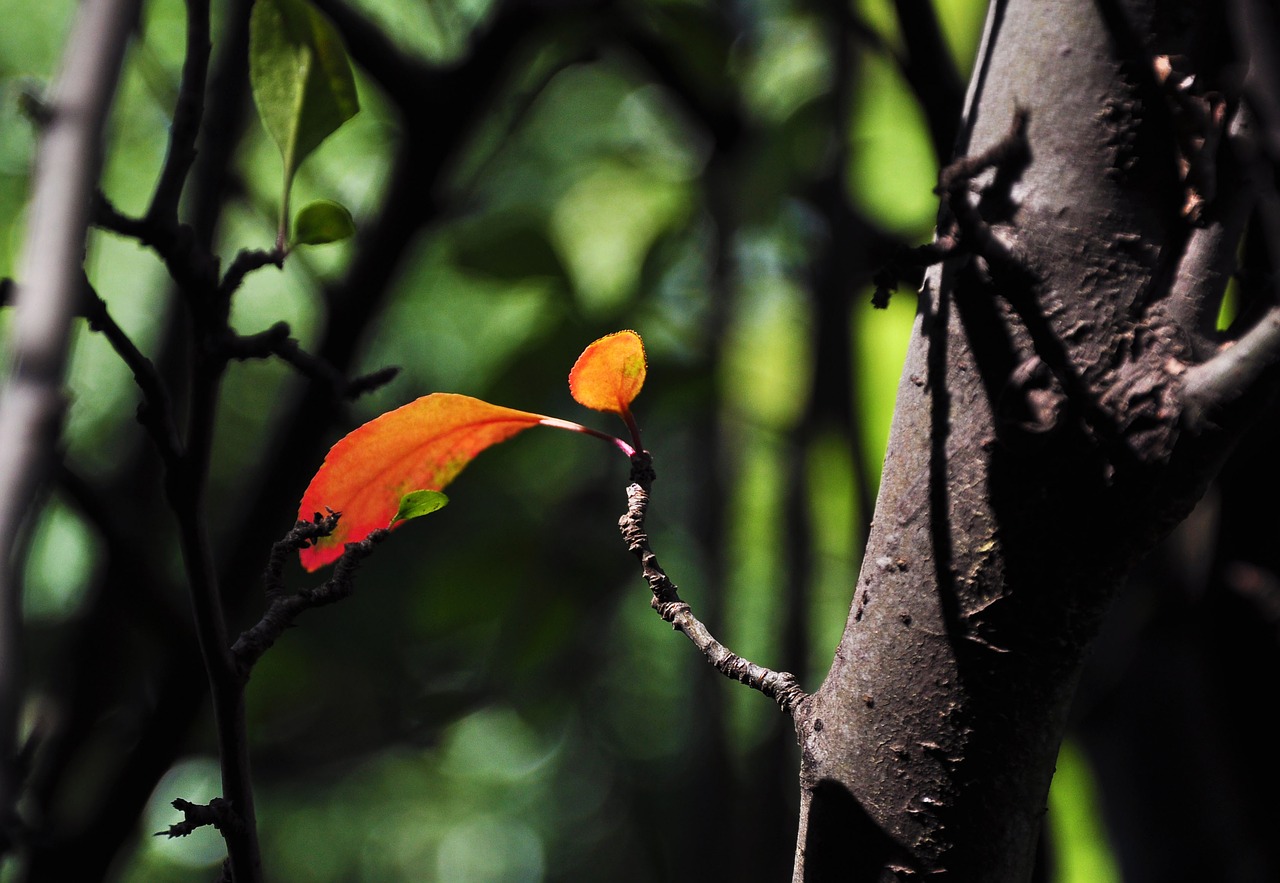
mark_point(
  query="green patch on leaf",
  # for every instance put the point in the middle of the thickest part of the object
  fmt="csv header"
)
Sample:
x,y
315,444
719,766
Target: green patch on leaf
x,y
301,79
322,222
418,503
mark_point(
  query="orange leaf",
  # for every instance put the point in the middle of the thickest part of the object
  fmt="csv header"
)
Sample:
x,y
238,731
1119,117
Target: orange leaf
x,y
420,446
609,373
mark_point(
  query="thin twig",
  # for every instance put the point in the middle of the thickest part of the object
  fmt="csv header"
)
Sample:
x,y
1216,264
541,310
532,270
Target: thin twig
x,y
276,341
779,686
108,217
186,117
961,228
155,413
1008,156
283,608
218,813
195,270
245,262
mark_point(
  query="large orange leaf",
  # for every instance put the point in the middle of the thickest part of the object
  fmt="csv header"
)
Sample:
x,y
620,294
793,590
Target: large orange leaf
x,y
420,446
609,373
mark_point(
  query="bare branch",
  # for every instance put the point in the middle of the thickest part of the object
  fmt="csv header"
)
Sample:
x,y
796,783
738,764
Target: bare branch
x,y
186,117
779,686
246,262
276,341
931,73
1233,372
108,217
155,413
283,608
217,812
31,402
1237,368
962,228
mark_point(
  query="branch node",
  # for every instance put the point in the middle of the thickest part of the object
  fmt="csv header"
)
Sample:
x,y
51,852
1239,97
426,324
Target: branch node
x,y
217,812
247,261
283,608
962,229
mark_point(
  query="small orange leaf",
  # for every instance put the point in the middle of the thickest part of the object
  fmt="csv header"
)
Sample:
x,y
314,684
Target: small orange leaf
x,y
609,373
420,446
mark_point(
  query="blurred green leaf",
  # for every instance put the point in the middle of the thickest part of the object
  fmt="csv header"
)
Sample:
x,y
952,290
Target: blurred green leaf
x,y
892,168
1082,854
322,222
512,245
418,503
301,79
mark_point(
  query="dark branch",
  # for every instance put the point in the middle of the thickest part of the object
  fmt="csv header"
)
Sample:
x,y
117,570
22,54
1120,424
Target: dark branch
x,y
155,413
186,117
908,265
367,383
275,341
1228,376
217,812
246,262
779,686
283,608
931,73
108,217
961,227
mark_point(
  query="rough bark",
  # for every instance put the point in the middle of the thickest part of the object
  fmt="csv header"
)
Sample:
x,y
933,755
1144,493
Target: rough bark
x,y
1039,446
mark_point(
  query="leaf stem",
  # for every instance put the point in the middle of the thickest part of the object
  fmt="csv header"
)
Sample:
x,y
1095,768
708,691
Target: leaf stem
x,y
557,423
633,427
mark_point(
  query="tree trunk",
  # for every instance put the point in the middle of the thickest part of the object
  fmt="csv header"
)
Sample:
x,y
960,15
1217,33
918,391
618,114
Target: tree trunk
x,y
1039,445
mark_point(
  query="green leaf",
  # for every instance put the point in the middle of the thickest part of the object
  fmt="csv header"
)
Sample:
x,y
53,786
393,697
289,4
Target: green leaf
x,y
322,222
301,79
415,504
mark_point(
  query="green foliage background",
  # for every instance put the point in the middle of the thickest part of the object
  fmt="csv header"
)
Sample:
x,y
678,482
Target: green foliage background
x,y
498,703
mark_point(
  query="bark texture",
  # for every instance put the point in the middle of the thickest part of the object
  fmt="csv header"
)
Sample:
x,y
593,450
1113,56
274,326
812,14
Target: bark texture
x,y
1039,444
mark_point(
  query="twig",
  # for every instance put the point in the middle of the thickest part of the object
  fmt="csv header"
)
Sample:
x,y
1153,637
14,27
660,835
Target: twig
x,y
1008,156
217,812
779,686
108,217
195,270
366,383
276,341
186,117
245,262
908,264
1213,385
962,229
931,73
1217,383
155,413
283,608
